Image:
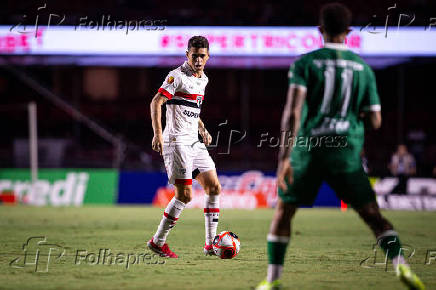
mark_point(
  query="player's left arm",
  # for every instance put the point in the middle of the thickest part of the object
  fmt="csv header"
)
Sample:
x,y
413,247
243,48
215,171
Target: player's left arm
x,y
207,138
289,127
371,108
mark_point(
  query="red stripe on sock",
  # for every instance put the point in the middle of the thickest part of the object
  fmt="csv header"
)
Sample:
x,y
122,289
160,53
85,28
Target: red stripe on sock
x,y
208,210
184,181
170,217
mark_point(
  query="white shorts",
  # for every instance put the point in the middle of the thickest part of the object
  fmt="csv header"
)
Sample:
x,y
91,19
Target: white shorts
x,y
184,162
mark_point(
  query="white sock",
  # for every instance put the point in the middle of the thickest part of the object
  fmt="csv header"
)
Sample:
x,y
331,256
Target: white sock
x,y
274,272
211,216
171,215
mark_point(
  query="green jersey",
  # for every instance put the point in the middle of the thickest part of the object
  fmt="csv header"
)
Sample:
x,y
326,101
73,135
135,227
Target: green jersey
x,y
340,86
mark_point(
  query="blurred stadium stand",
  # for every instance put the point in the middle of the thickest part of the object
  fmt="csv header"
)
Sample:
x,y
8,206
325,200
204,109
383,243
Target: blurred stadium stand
x,y
248,99
219,12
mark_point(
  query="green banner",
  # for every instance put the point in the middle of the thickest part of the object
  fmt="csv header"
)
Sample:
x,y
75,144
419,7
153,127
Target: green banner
x,y
61,187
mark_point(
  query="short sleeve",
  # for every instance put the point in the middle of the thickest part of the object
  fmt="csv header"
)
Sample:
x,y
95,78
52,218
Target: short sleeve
x,y
297,75
170,85
371,100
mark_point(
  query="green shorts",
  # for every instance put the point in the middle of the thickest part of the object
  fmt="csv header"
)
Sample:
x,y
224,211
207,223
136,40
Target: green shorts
x,y
350,183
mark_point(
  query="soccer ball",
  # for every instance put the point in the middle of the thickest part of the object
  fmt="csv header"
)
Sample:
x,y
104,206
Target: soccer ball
x,y
226,245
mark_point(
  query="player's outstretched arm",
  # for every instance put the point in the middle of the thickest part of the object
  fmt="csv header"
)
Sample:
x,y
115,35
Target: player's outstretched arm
x,y
207,138
289,129
156,121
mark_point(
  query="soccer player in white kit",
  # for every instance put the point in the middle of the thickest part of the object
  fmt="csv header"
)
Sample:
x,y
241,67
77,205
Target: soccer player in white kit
x,y
185,157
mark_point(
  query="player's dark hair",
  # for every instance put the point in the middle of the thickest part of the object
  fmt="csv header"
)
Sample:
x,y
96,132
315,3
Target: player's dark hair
x,y
335,18
198,42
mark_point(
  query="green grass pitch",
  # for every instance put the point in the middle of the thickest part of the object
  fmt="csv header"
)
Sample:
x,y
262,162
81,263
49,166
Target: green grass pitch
x,y
326,250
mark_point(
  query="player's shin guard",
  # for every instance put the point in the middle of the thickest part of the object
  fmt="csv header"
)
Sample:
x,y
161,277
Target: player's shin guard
x,y
276,256
391,245
169,218
211,216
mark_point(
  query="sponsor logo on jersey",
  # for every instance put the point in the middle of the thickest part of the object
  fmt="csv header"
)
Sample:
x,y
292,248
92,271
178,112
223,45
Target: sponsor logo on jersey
x,y
170,79
191,114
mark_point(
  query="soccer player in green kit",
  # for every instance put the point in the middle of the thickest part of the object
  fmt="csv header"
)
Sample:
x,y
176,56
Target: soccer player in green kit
x,y
332,93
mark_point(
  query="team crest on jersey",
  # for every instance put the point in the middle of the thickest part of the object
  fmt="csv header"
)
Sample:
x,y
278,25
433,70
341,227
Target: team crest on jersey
x,y
199,100
170,80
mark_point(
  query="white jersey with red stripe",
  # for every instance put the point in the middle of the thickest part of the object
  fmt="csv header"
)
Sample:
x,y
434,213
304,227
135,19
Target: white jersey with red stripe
x,y
185,93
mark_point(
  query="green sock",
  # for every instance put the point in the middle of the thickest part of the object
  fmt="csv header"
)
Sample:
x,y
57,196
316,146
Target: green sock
x,y
277,249
390,243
